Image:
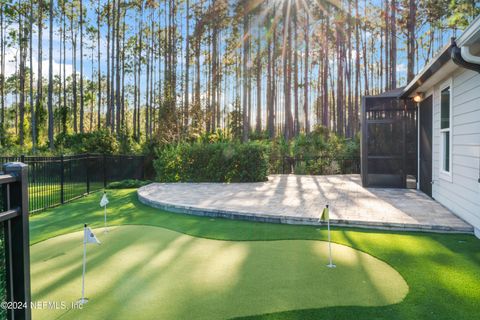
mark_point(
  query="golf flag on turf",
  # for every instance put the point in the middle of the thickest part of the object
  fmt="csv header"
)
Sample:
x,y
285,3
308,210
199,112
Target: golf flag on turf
x,y
89,236
104,201
325,216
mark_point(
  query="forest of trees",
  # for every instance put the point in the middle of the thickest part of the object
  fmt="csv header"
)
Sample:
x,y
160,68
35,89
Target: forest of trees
x,y
172,69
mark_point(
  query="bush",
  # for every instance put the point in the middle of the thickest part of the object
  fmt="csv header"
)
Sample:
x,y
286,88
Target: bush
x,y
102,141
128,184
212,162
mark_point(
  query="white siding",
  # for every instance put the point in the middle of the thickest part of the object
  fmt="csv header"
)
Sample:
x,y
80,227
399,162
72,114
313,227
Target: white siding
x,y
462,194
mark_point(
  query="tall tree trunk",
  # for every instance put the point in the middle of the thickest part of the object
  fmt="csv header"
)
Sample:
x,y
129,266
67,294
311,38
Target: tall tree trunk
x,y
32,108
23,54
214,75
196,121
365,62
393,50
99,70
325,102
91,88
74,75
270,114
287,72
122,120
348,75
147,93
39,97
411,39
246,37
259,85
275,78
135,99
305,74
187,69
117,72
112,84
108,114
340,65
387,45
82,100
50,80
139,70
64,40
296,126
357,66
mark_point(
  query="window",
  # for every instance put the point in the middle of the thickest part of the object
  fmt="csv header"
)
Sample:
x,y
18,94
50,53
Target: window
x,y
445,132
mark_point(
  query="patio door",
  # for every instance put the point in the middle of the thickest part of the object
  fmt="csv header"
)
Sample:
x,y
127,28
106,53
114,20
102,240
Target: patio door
x,y
425,163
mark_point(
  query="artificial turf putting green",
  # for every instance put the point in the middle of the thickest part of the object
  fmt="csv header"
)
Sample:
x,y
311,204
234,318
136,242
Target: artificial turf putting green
x,y
442,270
169,275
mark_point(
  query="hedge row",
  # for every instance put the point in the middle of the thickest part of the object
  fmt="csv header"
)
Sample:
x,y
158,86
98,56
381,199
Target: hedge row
x,y
214,162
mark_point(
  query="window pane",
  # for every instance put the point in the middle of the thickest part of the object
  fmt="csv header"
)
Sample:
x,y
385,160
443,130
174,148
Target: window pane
x,y
445,108
446,151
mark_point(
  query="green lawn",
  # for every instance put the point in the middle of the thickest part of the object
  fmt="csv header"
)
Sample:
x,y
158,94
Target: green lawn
x,y
442,271
48,194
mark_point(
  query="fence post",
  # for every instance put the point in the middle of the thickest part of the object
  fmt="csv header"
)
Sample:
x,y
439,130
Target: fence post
x,y
87,169
17,238
62,180
104,170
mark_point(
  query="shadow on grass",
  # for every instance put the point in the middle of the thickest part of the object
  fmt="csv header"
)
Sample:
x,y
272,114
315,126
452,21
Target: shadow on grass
x,y
442,270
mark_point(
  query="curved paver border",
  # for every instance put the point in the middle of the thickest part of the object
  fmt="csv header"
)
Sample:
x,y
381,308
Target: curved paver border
x,y
143,197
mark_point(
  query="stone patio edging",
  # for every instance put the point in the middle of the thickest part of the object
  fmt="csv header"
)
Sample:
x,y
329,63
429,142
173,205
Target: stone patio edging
x,y
285,219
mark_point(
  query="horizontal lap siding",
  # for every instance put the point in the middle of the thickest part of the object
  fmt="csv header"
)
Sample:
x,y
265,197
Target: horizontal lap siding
x,y
462,194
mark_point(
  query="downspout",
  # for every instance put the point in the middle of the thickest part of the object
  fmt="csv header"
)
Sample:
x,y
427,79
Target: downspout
x,y
463,58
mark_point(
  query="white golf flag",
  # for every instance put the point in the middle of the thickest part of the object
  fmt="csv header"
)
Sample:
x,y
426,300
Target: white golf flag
x,y
104,200
90,237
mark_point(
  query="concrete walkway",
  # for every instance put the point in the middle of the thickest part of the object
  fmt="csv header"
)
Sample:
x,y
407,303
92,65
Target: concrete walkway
x,y
299,200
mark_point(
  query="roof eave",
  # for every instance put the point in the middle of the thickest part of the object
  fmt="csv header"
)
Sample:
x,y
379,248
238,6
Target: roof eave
x,y
471,34
436,64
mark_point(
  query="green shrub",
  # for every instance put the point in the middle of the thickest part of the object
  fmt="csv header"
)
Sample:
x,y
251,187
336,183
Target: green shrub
x,y
212,162
102,141
128,184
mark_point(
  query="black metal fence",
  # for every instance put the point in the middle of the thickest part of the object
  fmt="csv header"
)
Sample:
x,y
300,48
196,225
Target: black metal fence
x,y
314,165
14,243
56,180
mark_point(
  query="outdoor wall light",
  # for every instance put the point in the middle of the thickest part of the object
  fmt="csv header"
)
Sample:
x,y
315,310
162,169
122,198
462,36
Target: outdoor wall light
x,y
418,97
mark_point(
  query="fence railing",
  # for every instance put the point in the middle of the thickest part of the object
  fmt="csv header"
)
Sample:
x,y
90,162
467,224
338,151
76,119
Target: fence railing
x,y
56,180
314,165
14,243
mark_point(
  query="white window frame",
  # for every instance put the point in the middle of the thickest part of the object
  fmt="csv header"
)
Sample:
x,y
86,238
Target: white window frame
x,y
446,175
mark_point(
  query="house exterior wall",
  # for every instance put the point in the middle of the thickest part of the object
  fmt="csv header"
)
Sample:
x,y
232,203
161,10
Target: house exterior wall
x,y
459,192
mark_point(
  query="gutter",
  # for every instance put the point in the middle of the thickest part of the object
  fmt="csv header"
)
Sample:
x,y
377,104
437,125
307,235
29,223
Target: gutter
x,y
463,57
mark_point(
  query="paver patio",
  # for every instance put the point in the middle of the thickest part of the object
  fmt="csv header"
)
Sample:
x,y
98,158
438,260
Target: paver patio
x,y
298,199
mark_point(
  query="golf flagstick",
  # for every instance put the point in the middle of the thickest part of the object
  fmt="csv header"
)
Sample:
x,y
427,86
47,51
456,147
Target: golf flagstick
x,y
326,216
103,203
330,265
88,237
83,300
105,214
